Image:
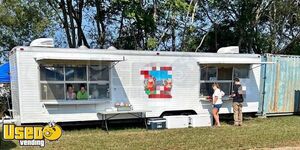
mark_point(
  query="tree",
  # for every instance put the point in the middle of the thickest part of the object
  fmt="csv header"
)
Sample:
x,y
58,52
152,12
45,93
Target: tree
x,y
70,16
258,26
22,22
137,24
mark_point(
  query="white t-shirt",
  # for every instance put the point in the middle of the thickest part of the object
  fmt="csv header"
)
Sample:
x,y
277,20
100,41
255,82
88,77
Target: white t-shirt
x,y
218,93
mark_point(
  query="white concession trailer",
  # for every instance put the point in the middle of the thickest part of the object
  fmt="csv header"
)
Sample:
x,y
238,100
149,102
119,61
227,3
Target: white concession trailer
x,y
162,82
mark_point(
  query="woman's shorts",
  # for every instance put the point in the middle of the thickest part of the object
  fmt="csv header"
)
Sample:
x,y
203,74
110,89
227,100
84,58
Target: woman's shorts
x,y
218,106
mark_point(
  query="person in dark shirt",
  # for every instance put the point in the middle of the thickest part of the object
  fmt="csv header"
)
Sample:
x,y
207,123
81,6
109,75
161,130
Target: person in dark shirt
x,y
237,95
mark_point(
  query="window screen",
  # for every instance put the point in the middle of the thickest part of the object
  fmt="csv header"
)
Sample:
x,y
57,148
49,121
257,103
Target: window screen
x,y
99,91
98,72
208,73
226,88
241,71
52,91
225,73
206,89
76,73
52,73
54,80
215,73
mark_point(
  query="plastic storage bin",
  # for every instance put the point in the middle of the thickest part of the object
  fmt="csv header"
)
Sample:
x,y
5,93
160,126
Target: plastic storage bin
x,y
177,122
200,120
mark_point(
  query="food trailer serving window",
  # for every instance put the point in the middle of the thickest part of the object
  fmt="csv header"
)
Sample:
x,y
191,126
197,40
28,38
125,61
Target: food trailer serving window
x,y
55,80
78,76
223,74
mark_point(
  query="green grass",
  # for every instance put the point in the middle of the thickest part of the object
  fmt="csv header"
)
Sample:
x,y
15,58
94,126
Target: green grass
x,y
256,133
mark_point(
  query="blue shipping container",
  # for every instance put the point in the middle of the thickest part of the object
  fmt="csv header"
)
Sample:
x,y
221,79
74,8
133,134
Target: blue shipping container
x,y
280,85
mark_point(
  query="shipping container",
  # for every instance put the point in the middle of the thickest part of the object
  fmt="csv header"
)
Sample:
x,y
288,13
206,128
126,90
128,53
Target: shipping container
x,y
280,94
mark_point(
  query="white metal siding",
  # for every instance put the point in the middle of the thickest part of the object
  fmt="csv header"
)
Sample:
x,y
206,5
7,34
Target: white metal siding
x,y
130,84
14,83
35,111
127,85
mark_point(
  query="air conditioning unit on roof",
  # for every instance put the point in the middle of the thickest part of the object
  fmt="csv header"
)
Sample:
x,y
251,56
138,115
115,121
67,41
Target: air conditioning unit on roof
x,y
229,50
42,42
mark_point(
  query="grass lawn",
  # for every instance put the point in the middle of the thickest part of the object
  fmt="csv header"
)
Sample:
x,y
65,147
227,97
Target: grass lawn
x,y
256,133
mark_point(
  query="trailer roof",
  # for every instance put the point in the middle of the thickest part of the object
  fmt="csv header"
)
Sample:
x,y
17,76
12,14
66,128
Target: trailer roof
x,y
131,52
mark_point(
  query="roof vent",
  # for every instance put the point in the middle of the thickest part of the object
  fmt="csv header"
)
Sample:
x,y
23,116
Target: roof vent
x,y
42,42
112,48
228,50
83,47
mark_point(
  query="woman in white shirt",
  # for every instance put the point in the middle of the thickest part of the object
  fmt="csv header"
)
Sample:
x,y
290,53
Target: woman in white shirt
x,y
217,102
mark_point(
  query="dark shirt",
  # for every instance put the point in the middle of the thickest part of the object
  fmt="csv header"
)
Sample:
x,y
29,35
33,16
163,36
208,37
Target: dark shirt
x,y
238,97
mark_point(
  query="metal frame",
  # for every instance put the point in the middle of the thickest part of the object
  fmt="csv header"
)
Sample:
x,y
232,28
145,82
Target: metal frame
x,y
217,73
87,82
105,119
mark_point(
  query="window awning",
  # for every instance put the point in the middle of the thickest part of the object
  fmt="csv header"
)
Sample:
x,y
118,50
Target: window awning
x,y
81,58
233,62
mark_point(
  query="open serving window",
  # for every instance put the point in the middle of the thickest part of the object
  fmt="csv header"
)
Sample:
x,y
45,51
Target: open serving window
x,y
223,74
75,80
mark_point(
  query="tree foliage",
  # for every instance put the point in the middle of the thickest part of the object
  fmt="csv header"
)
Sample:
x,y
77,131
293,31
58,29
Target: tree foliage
x,y
256,26
23,21
20,22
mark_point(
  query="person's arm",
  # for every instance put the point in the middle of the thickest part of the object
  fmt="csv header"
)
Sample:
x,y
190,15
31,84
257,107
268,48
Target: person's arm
x,y
233,94
215,98
86,96
74,96
78,95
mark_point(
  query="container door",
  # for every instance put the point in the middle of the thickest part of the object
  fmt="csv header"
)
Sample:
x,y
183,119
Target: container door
x,y
281,84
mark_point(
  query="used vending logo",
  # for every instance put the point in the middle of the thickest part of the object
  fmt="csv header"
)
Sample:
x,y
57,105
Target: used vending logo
x,y
31,135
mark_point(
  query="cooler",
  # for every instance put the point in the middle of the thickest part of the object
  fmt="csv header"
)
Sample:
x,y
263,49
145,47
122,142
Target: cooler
x,y
177,122
200,120
156,123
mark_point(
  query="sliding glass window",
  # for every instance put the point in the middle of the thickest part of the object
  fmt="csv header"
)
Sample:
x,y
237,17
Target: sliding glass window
x,y
74,82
